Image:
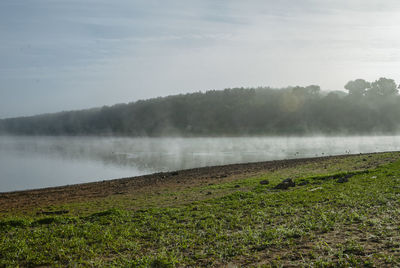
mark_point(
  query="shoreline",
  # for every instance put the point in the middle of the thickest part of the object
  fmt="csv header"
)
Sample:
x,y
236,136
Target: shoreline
x,y
170,173
25,199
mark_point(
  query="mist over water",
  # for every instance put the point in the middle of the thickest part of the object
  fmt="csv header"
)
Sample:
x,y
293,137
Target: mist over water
x,y
36,162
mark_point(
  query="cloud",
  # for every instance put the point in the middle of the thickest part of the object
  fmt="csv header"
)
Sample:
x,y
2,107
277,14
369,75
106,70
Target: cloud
x,y
90,53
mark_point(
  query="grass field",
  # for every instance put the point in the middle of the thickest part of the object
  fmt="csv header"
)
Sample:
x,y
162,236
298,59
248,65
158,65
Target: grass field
x,y
341,212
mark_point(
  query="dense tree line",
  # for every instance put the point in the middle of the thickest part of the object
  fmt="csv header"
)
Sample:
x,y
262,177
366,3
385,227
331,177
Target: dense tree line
x,y
366,108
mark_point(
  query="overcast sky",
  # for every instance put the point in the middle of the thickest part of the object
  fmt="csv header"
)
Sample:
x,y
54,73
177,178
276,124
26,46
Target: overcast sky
x,y
63,55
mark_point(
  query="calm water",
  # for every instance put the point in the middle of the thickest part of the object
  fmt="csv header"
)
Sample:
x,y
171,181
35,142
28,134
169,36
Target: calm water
x,y
35,162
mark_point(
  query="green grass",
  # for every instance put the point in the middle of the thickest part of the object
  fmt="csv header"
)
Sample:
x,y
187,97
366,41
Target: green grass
x,y
322,223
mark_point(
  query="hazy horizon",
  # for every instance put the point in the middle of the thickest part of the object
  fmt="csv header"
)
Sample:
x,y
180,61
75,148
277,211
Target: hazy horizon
x,y
68,55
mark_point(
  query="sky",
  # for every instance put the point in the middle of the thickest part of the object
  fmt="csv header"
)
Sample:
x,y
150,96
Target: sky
x,y
65,55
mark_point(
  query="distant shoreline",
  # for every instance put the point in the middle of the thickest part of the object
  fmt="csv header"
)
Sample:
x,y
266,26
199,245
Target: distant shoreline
x,y
185,136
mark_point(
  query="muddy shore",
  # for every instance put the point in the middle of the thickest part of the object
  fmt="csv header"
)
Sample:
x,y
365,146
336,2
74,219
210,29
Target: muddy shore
x,y
191,177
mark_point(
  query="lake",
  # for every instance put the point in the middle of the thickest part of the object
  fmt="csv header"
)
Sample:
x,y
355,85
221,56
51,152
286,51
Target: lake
x,y
36,162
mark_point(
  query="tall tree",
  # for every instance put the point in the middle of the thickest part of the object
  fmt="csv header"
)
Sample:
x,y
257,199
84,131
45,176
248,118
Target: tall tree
x,y
358,87
383,87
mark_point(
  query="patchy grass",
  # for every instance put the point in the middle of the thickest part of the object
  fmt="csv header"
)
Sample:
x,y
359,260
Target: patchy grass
x,y
320,222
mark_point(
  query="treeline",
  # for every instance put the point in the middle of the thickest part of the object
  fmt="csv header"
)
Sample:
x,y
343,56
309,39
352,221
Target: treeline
x,y
366,108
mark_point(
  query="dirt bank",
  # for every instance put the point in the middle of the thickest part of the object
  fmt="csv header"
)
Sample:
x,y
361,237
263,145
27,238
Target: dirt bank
x,y
22,200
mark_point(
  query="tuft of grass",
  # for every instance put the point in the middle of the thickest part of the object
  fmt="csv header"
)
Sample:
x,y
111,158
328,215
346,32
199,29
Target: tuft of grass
x,y
10,223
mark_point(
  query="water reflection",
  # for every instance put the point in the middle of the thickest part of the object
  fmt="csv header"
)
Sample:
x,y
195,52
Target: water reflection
x,y
72,158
